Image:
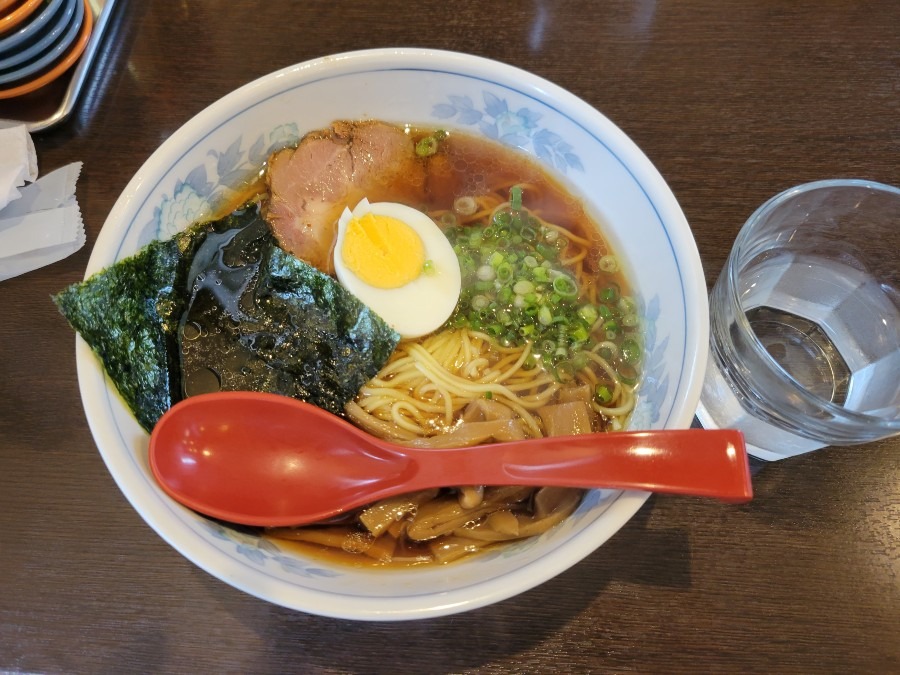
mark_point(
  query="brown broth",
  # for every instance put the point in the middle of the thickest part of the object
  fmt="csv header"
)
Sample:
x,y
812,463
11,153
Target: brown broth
x,y
468,165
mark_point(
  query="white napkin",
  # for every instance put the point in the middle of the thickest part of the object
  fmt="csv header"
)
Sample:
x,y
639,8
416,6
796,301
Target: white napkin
x,y
18,162
40,223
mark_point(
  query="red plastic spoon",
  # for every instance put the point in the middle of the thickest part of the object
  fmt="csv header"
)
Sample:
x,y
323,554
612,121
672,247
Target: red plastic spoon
x,y
263,459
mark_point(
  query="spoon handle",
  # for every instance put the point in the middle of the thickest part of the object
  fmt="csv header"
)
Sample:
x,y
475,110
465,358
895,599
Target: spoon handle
x,y
700,462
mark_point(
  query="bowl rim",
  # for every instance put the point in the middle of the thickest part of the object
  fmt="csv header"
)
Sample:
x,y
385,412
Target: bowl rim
x,y
327,603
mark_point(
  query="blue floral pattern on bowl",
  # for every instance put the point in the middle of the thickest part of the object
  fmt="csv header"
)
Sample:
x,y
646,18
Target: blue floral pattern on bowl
x,y
261,551
208,185
654,384
518,128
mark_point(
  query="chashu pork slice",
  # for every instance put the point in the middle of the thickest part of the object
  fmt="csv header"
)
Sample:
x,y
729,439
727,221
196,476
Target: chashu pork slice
x,y
310,185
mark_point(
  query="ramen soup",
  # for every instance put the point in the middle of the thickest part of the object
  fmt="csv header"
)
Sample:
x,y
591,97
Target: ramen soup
x,y
544,338
435,288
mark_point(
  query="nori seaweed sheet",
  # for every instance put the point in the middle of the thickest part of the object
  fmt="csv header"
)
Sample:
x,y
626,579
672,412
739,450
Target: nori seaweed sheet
x,y
335,344
222,307
260,319
128,314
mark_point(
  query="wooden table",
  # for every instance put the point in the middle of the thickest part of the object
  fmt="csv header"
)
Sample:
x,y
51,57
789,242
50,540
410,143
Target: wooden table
x,y
733,102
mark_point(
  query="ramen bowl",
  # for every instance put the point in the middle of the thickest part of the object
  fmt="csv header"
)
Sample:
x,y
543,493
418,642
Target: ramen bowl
x,y
199,167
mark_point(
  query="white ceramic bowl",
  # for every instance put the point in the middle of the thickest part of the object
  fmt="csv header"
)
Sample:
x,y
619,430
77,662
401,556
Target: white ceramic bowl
x,y
216,149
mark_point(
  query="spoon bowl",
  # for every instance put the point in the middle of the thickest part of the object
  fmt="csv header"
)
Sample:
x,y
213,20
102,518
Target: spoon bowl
x,y
267,460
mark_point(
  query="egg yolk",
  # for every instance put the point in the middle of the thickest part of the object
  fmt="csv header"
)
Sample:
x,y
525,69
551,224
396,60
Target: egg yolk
x,y
382,251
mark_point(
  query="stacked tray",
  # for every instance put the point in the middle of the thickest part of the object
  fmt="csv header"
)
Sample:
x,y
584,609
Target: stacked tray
x,y
39,41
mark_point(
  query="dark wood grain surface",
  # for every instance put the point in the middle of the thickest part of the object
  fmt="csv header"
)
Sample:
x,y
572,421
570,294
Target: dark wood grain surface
x,y
733,102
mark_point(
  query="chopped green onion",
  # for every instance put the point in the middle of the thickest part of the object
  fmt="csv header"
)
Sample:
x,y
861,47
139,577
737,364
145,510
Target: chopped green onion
x,y
427,146
627,373
565,286
603,394
547,252
483,286
517,290
608,264
479,302
448,220
486,273
608,349
588,314
627,305
515,197
502,218
523,286
466,263
579,334
539,274
465,206
610,294
546,347
565,371
545,316
428,268
630,320
631,351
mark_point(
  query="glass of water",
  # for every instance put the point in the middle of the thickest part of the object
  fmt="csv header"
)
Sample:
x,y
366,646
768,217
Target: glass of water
x,y
805,322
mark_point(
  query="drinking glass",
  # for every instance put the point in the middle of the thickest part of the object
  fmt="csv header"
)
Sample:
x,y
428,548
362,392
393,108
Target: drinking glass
x,y
805,322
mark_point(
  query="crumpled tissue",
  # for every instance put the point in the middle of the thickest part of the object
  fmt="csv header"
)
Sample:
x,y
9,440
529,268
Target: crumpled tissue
x,y
40,222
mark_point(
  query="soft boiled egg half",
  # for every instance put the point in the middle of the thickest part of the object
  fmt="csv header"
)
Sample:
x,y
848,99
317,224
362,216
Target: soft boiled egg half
x,y
397,261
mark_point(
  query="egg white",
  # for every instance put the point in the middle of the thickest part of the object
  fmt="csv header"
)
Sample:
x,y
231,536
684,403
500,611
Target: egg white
x,y
425,303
